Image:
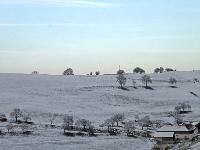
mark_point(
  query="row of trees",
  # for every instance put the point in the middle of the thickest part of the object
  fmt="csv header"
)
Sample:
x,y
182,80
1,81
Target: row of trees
x,y
146,79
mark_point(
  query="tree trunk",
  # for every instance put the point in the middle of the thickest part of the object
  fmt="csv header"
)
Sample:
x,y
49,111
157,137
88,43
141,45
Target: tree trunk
x,y
108,128
16,118
117,123
146,84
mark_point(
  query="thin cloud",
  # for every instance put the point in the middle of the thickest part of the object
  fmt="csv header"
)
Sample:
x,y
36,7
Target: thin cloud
x,y
58,24
60,3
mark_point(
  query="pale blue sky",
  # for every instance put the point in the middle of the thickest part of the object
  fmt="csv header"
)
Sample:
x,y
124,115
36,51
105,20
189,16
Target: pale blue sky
x,y
90,35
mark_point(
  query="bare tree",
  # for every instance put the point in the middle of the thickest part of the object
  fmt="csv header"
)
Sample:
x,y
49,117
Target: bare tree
x,y
17,113
182,107
9,127
130,127
68,71
146,79
177,109
67,122
118,118
108,123
172,81
121,80
52,118
134,83
84,123
26,117
196,80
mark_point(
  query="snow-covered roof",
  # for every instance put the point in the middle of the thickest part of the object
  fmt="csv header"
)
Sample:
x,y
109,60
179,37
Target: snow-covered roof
x,y
163,134
169,128
195,123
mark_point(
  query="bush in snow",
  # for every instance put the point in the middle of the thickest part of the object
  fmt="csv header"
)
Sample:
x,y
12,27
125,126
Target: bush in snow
x,y
145,122
68,71
17,113
130,128
83,123
3,118
118,118
52,118
26,117
178,119
68,122
121,80
24,127
35,72
138,70
196,80
146,80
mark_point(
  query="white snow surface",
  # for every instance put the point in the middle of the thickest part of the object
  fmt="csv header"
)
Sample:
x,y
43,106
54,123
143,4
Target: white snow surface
x,y
163,134
95,98
172,129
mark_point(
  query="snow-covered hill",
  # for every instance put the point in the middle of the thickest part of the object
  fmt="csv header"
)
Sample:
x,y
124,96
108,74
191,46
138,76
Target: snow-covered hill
x,y
96,98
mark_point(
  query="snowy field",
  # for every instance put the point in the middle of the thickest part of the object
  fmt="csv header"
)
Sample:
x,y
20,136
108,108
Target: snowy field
x,y
95,98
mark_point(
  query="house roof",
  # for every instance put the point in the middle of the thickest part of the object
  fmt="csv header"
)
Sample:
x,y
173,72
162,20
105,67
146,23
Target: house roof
x,y
169,128
163,134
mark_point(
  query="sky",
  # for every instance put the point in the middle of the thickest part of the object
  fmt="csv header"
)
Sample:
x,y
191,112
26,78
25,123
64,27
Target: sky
x,y
89,35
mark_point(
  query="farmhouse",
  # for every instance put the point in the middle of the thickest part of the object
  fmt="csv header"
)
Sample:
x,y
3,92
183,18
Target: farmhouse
x,y
169,134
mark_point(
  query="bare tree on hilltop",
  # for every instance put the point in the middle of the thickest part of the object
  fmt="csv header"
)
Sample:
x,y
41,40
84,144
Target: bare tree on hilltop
x,y
68,71
138,70
159,70
17,113
120,72
121,79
